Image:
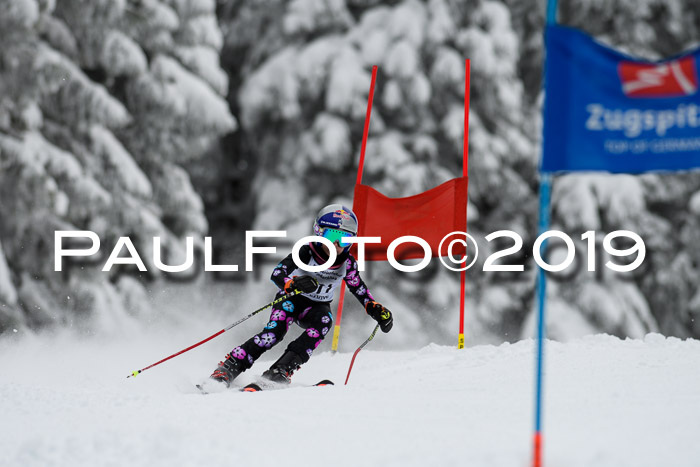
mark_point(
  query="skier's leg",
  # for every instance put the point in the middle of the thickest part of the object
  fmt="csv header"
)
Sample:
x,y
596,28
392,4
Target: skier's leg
x,y
317,321
242,357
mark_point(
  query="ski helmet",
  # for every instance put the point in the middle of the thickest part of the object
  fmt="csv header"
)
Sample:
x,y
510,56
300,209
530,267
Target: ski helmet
x,y
335,217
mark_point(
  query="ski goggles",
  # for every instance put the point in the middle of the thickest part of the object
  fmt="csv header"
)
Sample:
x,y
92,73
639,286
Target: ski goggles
x,y
336,235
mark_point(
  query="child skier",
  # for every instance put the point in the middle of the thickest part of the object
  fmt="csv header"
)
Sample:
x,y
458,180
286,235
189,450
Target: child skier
x,y
310,309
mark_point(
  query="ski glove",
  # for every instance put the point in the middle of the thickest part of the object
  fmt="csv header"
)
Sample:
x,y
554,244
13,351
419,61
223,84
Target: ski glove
x,y
381,315
304,284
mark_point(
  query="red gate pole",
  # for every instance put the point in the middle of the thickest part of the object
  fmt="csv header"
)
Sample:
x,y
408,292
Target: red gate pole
x,y
360,168
465,173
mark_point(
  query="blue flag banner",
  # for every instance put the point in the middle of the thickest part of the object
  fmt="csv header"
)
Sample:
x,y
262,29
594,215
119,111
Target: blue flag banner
x,y
606,111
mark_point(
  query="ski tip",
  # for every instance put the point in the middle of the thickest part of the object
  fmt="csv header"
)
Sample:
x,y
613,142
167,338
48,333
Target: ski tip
x,y
211,386
252,387
325,382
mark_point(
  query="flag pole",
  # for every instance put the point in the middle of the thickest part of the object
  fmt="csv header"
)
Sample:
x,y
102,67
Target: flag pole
x,y
545,190
545,193
465,173
360,168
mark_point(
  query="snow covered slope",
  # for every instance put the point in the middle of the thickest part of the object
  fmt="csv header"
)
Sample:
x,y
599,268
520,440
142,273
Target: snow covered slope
x,y
608,403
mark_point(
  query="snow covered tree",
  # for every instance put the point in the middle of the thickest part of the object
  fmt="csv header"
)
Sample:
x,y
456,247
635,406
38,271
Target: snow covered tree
x,y
304,71
109,109
303,102
655,206
105,102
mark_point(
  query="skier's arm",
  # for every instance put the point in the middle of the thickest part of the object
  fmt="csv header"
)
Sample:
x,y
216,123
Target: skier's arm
x,y
282,273
355,283
359,289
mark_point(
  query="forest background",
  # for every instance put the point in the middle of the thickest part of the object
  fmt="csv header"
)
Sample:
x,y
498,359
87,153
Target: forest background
x,y
178,118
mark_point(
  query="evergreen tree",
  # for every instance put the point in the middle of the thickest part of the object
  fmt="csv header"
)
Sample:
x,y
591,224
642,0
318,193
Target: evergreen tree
x,y
302,99
655,206
108,108
304,105
106,101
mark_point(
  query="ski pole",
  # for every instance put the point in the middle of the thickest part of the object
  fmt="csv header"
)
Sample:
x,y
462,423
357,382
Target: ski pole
x,y
352,362
271,304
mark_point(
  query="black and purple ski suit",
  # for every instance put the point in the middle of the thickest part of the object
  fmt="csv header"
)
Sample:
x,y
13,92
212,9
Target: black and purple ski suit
x,y
311,311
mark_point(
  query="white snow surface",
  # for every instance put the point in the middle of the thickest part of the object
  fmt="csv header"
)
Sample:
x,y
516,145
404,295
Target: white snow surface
x,y
609,402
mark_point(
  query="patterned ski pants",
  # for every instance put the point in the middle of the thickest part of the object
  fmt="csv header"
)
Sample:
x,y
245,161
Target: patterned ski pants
x,y
315,317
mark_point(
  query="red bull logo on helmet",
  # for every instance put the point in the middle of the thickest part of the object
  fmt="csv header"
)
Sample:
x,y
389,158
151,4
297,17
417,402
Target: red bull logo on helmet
x,y
336,216
342,214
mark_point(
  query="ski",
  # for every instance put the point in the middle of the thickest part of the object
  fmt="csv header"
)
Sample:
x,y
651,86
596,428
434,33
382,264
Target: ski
x,y
256,387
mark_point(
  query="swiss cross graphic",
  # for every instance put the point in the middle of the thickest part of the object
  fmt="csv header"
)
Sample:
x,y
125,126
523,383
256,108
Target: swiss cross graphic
x,y
670,79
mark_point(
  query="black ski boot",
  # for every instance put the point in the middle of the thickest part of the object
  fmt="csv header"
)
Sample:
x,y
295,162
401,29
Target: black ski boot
x,y
228,370
282,370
